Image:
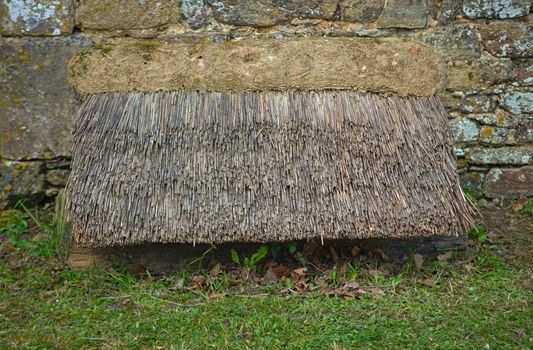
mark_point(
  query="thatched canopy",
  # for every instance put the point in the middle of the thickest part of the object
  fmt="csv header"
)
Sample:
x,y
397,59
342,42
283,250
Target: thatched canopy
x,y
213,167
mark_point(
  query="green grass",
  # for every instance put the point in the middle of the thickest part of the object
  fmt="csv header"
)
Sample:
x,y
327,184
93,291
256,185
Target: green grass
x,y
479,301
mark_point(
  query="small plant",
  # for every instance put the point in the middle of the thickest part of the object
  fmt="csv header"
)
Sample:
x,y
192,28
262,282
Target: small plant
x,y
253,260
478,234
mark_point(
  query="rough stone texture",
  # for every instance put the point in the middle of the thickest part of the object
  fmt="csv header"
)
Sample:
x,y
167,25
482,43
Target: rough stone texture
x,y
509,182
517,102
495,135
126,14
57,177
266,13
507,39
524,73
479,74
506,155
20,180
496,8
478,104
498,119
452,43
524,132
404,14
464,130
196,12
364,64
472,180
36,17
36,104
362,11
449,9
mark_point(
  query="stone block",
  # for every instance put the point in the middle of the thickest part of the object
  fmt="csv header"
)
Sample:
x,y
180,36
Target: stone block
x,y
404,14
507,39
500,119
472,180
509,182
464,130
127,14
449,9
36,17
36,104
20,180
524,133
505,155
57,177
500,9
361,11
478,104
195,12
266,13
452,43
495,135
524,73
517,102
479,74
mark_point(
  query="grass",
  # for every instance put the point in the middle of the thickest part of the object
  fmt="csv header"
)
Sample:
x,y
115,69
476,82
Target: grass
x,y
478,300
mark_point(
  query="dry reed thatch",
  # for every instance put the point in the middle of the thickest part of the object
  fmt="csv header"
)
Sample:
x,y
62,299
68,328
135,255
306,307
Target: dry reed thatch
x,y
194,167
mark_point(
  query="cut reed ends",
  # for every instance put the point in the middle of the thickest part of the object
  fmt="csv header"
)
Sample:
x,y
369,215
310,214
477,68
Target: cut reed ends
x,y
197,167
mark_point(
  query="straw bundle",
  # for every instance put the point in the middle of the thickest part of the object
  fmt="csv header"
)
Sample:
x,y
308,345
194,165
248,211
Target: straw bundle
x,y
212,167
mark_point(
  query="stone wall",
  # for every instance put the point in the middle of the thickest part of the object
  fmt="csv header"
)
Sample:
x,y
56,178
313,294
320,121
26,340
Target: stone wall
x,y
487,46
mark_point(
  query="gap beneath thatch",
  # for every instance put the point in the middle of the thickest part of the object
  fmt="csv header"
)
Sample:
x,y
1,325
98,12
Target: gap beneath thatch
x,y
202,167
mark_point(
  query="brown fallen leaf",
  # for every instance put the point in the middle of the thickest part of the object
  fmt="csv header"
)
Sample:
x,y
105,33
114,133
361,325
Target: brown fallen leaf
x,y
427,282
299,274
376,292
355,251
528,284
269,277
334,255
444,257
301,286
378,253
281,270
419,260
198,281
215,270
519,204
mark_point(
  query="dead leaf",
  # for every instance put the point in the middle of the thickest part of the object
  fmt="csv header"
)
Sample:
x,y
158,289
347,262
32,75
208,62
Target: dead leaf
x,y
269,277
419,260
281,270
37,237
136,270
444,257
528,284
378,253
352,285
216,296
322,280
376,292
299,274
355,251
427,282
301,286
334,255
519,204
520,333
342,267
198,282
215,270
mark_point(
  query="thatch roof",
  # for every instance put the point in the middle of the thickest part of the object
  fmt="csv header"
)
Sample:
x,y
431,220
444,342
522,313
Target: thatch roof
x,y
214,167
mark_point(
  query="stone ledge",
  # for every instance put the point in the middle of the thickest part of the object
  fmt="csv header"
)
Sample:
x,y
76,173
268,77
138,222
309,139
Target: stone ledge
x,y
374,65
